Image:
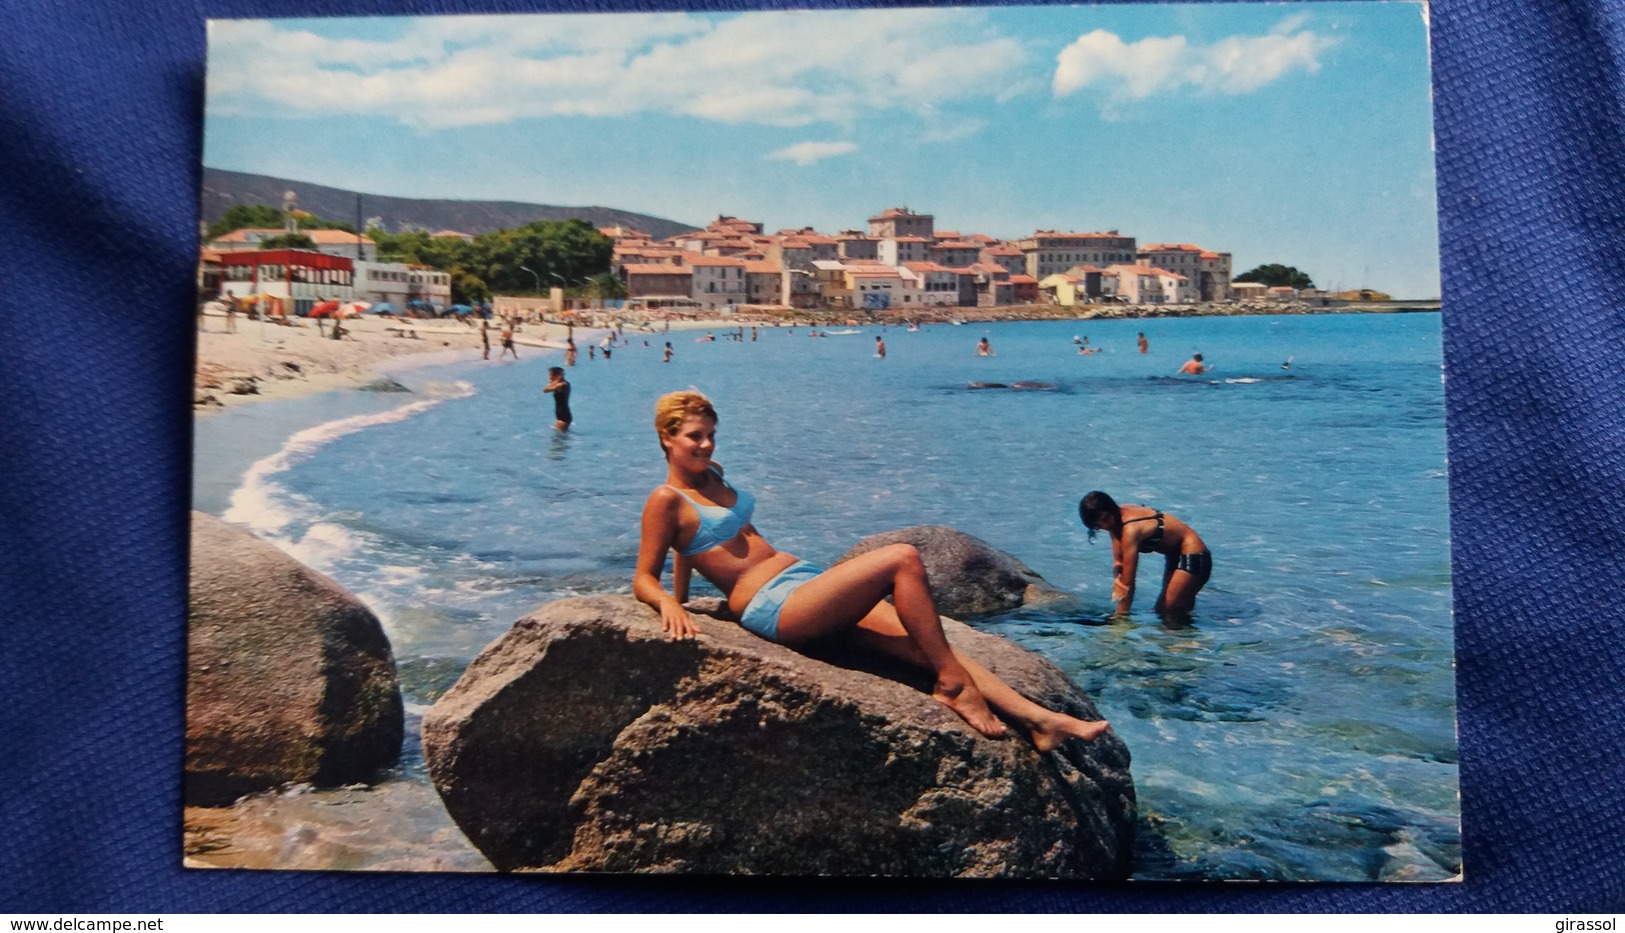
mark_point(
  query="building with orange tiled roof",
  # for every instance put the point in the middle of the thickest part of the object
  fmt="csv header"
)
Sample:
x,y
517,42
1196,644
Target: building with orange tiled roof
x,y
851,244
933,284
623,232
1048,252
719,281
1011,259
1141,284
954,252
657,280
1208,271
900,221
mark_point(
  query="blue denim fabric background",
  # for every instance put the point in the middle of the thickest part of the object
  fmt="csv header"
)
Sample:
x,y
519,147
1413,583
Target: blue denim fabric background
x,y
100,136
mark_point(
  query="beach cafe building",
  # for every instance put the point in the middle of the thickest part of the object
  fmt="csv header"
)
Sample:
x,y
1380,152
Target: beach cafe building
x,y
291,281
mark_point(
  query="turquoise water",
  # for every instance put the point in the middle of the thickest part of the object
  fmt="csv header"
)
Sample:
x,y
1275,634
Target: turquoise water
x,y
1302,728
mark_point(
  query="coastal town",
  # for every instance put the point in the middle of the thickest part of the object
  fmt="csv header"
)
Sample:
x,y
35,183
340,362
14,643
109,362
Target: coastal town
x,y
901,264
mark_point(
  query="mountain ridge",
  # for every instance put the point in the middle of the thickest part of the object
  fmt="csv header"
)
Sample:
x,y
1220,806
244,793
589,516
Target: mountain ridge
x,y
223,189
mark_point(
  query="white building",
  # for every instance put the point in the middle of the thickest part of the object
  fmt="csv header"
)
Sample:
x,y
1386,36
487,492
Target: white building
x,y
398,283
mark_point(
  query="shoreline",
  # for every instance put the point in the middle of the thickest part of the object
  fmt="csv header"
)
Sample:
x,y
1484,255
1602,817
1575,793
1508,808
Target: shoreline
x,y
263,361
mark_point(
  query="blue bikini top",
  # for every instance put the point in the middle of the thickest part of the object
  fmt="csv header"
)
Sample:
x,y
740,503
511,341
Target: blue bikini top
x,y
718,523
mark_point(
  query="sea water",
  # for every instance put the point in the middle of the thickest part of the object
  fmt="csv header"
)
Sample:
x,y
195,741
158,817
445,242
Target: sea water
x,y
1301,727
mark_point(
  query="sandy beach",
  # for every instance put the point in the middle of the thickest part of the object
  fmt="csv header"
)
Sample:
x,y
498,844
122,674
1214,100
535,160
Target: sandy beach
x,y
264,361
267,361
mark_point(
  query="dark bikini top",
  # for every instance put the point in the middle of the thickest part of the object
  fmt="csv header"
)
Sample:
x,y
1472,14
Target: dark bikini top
x,y
718,523
1152,541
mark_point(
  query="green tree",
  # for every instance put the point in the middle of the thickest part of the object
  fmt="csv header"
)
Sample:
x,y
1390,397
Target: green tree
x,y
467,288
288,241
1275,275
604,285
243,217
568,250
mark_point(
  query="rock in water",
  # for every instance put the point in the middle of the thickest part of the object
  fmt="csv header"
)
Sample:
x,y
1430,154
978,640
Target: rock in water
x,y
289,677
585,739
968,576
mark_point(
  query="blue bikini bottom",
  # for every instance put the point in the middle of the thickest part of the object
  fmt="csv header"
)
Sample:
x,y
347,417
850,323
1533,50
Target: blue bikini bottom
x,y
762,614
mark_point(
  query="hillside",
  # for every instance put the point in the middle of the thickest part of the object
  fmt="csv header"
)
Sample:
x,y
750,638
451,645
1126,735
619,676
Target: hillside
x,y
223,189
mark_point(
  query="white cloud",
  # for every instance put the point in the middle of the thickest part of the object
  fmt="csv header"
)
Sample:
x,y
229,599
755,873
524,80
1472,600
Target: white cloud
x,y
778,69
809,152
1129,71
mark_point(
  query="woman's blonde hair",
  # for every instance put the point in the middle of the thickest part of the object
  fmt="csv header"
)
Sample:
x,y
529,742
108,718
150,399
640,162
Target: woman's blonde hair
x,y
673,408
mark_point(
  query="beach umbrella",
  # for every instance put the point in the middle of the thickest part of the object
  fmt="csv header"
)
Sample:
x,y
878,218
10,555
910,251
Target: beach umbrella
x,y
323,309
383,307
460,310
353,309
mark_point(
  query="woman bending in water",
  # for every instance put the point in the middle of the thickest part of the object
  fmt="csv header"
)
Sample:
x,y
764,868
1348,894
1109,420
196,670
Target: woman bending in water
x,y
1136,530
792,602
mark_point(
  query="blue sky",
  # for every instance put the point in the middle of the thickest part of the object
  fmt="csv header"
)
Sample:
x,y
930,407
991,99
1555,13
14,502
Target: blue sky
x,y
1291,133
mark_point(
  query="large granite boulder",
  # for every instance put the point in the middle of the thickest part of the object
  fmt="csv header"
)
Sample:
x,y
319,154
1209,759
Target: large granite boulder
x,y
585,739
968,576
289,677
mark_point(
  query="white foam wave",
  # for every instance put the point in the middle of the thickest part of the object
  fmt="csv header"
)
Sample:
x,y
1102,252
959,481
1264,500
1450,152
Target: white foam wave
x,y
265,507
321,546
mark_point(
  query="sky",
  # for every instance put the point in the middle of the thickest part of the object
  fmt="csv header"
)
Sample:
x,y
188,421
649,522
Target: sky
x,y
1298,134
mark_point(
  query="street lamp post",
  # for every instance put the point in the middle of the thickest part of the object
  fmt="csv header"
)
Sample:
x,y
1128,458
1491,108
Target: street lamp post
x,y
538,287
538,278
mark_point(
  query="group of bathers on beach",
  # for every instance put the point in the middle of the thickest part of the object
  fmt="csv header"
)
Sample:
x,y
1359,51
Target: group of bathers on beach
x,y
706,522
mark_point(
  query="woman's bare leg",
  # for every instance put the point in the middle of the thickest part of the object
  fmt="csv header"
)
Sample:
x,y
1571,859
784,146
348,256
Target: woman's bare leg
x,y
1179,593
883,633
838,599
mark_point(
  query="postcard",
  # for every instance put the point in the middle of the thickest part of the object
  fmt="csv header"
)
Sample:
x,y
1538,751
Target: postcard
x,y
972,442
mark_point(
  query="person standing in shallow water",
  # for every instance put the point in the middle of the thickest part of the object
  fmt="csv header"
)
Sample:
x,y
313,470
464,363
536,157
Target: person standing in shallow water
x,y
559,388
1138,529
707,522
1194,366
880,348
1145,346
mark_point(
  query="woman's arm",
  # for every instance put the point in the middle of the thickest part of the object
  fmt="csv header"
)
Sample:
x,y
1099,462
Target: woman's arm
x,y
680,572
658,535
1125,565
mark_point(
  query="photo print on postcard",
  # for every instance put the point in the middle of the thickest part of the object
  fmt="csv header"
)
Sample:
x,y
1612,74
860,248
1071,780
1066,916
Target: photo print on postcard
x,y
952,442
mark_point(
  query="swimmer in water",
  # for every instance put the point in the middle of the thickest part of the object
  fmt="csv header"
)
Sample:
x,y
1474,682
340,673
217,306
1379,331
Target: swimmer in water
x,y
880,348
1194,366
1144,344
983,348
877,602
559,388
1136,530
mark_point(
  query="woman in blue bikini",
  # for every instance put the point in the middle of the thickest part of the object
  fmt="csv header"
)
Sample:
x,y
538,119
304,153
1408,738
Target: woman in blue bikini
x,y
792,602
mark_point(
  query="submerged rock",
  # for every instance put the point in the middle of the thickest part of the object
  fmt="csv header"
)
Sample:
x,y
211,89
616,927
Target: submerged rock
x,y
968,576
585,739
289,677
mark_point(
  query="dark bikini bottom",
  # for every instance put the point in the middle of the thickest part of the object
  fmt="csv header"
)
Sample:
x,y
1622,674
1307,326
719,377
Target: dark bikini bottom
x,y
1198,565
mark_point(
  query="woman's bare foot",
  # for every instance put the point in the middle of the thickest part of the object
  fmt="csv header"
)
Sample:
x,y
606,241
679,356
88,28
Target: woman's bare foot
x,y
962,697
1052,732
